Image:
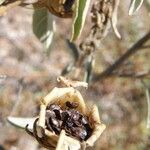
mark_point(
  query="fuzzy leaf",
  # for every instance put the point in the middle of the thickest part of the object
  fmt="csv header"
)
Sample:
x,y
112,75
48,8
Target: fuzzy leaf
x,y
43,26
81,9
114,18
21,122
135,6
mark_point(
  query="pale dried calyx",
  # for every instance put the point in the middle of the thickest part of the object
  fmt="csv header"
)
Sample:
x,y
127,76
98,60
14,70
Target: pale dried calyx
x,y
59,97
66,122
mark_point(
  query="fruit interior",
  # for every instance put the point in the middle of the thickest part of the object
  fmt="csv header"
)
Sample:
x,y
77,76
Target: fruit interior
x,y
71,120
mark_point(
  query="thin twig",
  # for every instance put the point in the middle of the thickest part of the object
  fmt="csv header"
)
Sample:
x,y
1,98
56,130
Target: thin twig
x,y
133,75
123,58
18,100
145,47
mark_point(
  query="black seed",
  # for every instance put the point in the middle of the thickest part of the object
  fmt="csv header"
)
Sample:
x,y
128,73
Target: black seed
x,y
49,124
65,115
72,121
58,114
69,123
83,134
84,120
68,4
54,107
79,133
50,113
55,125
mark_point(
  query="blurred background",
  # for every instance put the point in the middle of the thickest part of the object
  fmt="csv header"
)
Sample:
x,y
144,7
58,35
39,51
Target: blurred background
x,y
27,74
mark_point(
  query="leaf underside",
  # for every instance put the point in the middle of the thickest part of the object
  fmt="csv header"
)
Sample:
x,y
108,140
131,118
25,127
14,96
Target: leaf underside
x,y
43,26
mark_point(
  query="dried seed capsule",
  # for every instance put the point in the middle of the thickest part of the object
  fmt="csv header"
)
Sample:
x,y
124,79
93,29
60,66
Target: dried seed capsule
x,y
50,132
71,120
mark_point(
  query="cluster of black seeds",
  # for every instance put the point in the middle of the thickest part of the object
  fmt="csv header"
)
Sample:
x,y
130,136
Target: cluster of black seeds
x,y
72,121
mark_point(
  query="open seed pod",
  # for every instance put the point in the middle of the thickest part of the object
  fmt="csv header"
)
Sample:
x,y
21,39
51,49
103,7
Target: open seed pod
x,y
60,8
65,122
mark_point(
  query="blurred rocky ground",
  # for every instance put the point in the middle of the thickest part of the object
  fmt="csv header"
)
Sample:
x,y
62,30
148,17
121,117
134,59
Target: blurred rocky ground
x,y
27,74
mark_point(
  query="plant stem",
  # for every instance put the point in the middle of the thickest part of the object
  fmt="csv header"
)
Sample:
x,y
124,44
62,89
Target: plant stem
x,y
123,58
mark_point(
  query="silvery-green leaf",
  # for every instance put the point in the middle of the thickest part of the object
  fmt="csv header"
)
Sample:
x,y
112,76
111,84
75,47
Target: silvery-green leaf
x,y
43,26
114,18
21,122
2,1
81,9
134,6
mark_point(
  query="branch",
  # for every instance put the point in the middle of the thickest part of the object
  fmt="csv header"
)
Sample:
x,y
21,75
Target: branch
x,y
123,58
133,75
145,47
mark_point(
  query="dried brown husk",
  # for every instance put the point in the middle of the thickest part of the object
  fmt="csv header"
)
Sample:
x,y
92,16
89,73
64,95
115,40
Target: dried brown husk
x,y
59,96
55,7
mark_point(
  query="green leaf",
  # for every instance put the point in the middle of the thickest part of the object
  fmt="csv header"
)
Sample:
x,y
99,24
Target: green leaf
x,y
135,6
2,1
21,122
43,26
81,9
